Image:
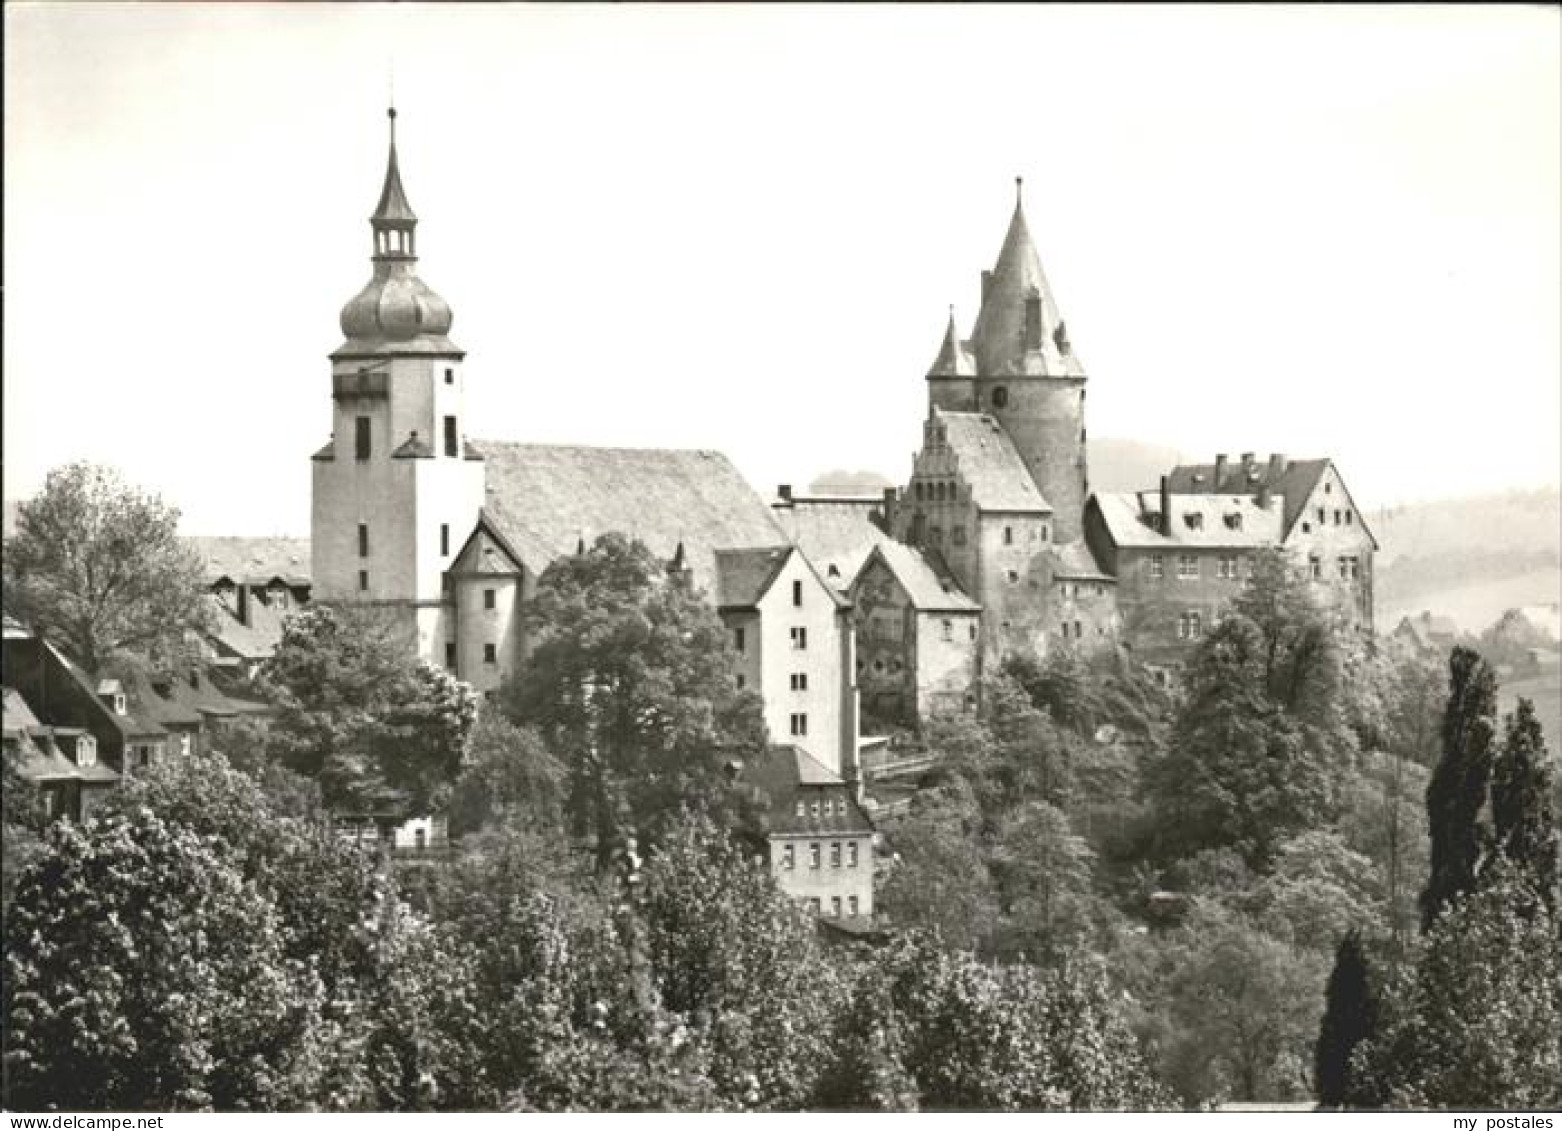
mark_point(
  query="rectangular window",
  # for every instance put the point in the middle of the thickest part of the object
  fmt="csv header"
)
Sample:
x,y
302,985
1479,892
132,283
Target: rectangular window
x,y
737,639
813,808
1187,567
1350,517
1228,565
957,535
949,630
1355,567
1157,567
1338,521
1012,576
1315,567
361,438
444,539
452,441
800,638
363,539
363,581
450,376
851,854
802,808
742,681
851,907
813,855
935,534
789,857
835,854
450,655
835,906
799,681
488,598
1321,516
1195,626
490,654
797,594
1344,565
1079,631
813,905
799,725
1008,535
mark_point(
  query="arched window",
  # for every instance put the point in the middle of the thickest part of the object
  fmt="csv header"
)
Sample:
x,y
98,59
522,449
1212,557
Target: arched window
x,y
1000,397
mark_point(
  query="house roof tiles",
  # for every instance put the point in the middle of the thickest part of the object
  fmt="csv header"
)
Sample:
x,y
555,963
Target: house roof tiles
x,y
989,462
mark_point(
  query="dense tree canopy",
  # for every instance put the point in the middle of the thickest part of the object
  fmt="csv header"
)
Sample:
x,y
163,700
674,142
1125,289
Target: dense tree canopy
x,y
630,682
97,566
380,730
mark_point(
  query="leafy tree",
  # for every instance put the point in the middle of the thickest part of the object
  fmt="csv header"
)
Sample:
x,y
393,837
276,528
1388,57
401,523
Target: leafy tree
x,y
143,973
1457,792
1243,1010
940,881
1317,892
1241,770
379,729
97,565
1477,1021
1525,829
1044,875
630,682
509,778
1300,659
1349,1017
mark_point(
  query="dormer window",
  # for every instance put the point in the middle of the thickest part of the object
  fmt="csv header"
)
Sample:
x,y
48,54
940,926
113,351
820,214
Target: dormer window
x,y
119,702
1234,521
86,750
1194,521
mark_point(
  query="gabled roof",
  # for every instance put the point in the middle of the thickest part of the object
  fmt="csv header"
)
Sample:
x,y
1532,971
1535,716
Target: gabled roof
x,y
997,339
1132,520
413,447
253,561
547,499
789,774
927,589
834,531
953,359
989,462
15,714
1296,479
486,551
745,576
133,723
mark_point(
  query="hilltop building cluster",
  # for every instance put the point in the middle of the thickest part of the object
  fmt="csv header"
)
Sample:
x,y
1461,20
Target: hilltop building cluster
x,y
896,605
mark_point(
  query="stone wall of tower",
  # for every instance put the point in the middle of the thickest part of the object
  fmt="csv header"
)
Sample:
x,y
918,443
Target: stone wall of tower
x,y
1045,417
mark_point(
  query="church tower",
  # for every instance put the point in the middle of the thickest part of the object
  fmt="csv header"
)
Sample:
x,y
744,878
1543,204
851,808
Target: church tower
x,y
397,490
1019,367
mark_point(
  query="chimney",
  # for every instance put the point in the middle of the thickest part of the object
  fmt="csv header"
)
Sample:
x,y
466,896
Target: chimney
x,y
1247,462
987,284
1277,466
1220,471
784,490
891,496
1166,505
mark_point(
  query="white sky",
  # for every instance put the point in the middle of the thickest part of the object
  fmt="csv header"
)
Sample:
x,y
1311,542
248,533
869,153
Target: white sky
x,y
1319,231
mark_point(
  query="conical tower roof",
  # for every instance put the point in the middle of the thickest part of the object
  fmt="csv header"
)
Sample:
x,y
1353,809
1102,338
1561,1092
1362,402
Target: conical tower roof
x,y
998,338
393,207
953,359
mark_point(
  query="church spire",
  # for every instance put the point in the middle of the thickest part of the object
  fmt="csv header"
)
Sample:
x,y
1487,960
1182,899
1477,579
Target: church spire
x,y
952,359
393,220
1017,329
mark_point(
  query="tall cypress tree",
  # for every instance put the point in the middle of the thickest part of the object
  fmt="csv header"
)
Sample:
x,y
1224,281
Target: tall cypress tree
x,y
1350,1016
1523,825
1457,791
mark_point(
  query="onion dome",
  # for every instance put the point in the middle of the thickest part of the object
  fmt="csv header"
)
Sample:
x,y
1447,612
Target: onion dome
x,y
396,312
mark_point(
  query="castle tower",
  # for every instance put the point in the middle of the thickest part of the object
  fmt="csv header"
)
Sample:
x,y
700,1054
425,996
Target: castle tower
x,y
1019,367
397,490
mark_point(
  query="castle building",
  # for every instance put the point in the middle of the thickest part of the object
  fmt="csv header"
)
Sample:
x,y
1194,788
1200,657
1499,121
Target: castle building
x,y
450,534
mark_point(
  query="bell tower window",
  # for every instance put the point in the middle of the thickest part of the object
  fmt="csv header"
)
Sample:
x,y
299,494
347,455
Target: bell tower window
x,y
452,440
361,436
1000,397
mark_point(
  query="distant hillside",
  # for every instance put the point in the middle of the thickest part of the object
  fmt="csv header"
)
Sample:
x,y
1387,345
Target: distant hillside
x,y
1469,558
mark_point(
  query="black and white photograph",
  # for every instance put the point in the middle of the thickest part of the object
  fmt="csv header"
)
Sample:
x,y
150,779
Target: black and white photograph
x,y
735,558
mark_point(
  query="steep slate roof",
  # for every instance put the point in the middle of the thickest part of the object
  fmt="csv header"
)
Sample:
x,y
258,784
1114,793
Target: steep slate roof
x,y
997,339
1293,478
990,463
784,772
744,576
136,722
257,640
926,588
834,531
1130,519
954,359
15,714
253,561
548,498
393,206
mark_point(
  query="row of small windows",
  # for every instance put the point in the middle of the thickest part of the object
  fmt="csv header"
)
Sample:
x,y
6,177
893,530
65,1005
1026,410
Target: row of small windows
x,y
957,536
1348,567
1073,630
490,654
939,492
835,906
1228,567
789,854
444,540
